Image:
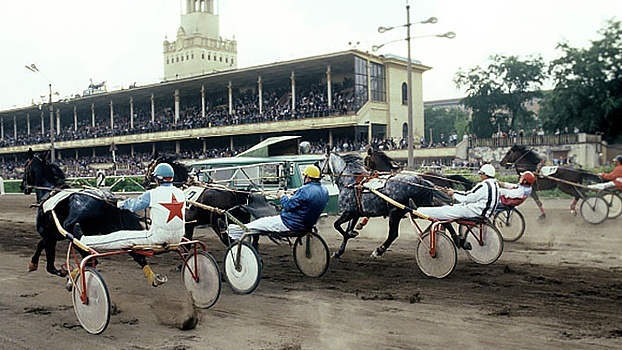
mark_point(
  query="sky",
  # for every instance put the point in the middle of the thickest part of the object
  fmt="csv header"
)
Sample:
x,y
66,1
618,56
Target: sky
x,y
120,41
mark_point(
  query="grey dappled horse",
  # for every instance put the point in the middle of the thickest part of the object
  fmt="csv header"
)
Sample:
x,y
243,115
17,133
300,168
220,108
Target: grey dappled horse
x,y
348,170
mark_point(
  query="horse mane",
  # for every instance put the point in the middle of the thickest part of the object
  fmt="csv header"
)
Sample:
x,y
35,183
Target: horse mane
x,y
529,155
353,160
388,164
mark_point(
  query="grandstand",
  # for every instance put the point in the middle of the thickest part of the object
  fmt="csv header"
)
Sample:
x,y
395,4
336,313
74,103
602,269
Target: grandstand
x,y
343,95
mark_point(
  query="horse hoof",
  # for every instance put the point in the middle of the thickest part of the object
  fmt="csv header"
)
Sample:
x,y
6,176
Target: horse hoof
x,y
159,280
542,217
335,255
352,234
33,267
573,212
376,254
359,226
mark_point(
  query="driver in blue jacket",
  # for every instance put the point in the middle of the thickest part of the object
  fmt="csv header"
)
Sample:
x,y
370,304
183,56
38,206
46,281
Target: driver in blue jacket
x,y
299,212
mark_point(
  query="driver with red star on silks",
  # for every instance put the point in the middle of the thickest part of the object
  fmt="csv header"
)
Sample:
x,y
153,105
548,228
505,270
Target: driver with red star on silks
x,y
167,214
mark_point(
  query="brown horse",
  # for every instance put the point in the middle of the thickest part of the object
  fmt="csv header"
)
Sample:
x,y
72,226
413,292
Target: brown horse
x,y
569,180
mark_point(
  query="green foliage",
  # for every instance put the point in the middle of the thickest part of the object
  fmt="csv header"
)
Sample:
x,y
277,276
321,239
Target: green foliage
x,y
445,121
588,86
126,184
497,94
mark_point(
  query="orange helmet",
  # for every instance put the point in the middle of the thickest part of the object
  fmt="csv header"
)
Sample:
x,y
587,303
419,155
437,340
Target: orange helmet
x,y
528,177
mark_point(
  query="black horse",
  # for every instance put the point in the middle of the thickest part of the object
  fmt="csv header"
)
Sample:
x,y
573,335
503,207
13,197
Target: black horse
x,y
564,178
347,170
212,195
93,209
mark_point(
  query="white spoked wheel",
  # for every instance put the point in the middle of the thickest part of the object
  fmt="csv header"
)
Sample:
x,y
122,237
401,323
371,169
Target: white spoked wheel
x,y
244,277
201,277
594,210
311,255
443,262
94,313
615,204
486,243
511,223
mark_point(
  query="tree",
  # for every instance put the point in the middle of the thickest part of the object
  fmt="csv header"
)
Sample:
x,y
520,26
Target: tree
x,y
498,94
588,86
444,121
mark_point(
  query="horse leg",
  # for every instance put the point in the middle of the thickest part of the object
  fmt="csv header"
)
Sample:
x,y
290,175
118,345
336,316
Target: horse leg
x,y
536,199
50,255
573,206
394,223
34,261
189,231
153,278
345,217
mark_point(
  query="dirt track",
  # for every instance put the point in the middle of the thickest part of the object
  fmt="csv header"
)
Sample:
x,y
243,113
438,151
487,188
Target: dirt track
x,y
558,287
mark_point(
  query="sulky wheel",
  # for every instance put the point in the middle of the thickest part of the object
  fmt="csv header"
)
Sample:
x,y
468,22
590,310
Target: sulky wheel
x,y
511,223
201,277
244,276
486,243
594,210
615,204
443,262
311,255
93,313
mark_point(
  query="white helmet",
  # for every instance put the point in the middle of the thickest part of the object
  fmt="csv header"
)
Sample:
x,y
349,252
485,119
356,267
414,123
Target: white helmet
x,y
487,170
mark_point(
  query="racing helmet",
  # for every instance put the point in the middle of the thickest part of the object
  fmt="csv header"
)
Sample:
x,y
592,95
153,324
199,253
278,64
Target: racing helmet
x,y
618,158
164,172
312,171
528,177
487,170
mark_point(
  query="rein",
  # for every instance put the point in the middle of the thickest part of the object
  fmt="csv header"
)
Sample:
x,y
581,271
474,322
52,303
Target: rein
x,y
521,157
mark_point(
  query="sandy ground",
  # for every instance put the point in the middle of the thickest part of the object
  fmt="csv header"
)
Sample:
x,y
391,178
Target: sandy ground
x,y
558,287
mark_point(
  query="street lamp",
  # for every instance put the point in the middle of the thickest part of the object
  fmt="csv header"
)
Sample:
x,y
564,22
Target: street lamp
x,y
33,68
449,35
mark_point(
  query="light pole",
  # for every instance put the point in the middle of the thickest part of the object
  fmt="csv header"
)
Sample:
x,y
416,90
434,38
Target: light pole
x,y
449,35
33,68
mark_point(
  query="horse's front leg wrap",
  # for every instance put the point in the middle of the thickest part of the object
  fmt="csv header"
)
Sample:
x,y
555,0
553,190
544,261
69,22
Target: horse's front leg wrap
x,y
379,251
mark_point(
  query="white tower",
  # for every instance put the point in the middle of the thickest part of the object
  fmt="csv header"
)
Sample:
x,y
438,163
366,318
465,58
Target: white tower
x,y
198,49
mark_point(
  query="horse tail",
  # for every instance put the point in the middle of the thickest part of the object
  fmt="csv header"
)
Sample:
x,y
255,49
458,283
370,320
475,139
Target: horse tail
x,y
468,184
587,177
129,220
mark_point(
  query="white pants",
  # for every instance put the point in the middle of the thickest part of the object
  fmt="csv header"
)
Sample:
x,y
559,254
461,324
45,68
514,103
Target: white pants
x,y
128,238
448,212
602,186
267,223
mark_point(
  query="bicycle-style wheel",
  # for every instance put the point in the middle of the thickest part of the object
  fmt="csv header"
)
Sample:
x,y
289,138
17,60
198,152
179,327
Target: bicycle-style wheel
x,y
486,243
511,223
244,278
94,314
202,281
594,210
615,204
443,262
311,255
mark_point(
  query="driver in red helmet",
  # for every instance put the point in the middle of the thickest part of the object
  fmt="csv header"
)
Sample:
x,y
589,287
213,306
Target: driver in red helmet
x,y
515,194
614,178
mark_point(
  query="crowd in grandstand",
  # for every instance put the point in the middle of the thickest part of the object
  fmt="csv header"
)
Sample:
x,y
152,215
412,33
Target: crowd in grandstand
x,y
310,103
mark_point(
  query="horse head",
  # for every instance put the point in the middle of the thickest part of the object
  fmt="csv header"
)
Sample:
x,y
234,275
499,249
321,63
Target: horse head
x,y
380,161
337,166
521,158
181,172
40,174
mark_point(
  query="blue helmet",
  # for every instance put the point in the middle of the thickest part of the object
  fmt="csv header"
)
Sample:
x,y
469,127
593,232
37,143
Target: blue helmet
x,y
164,172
